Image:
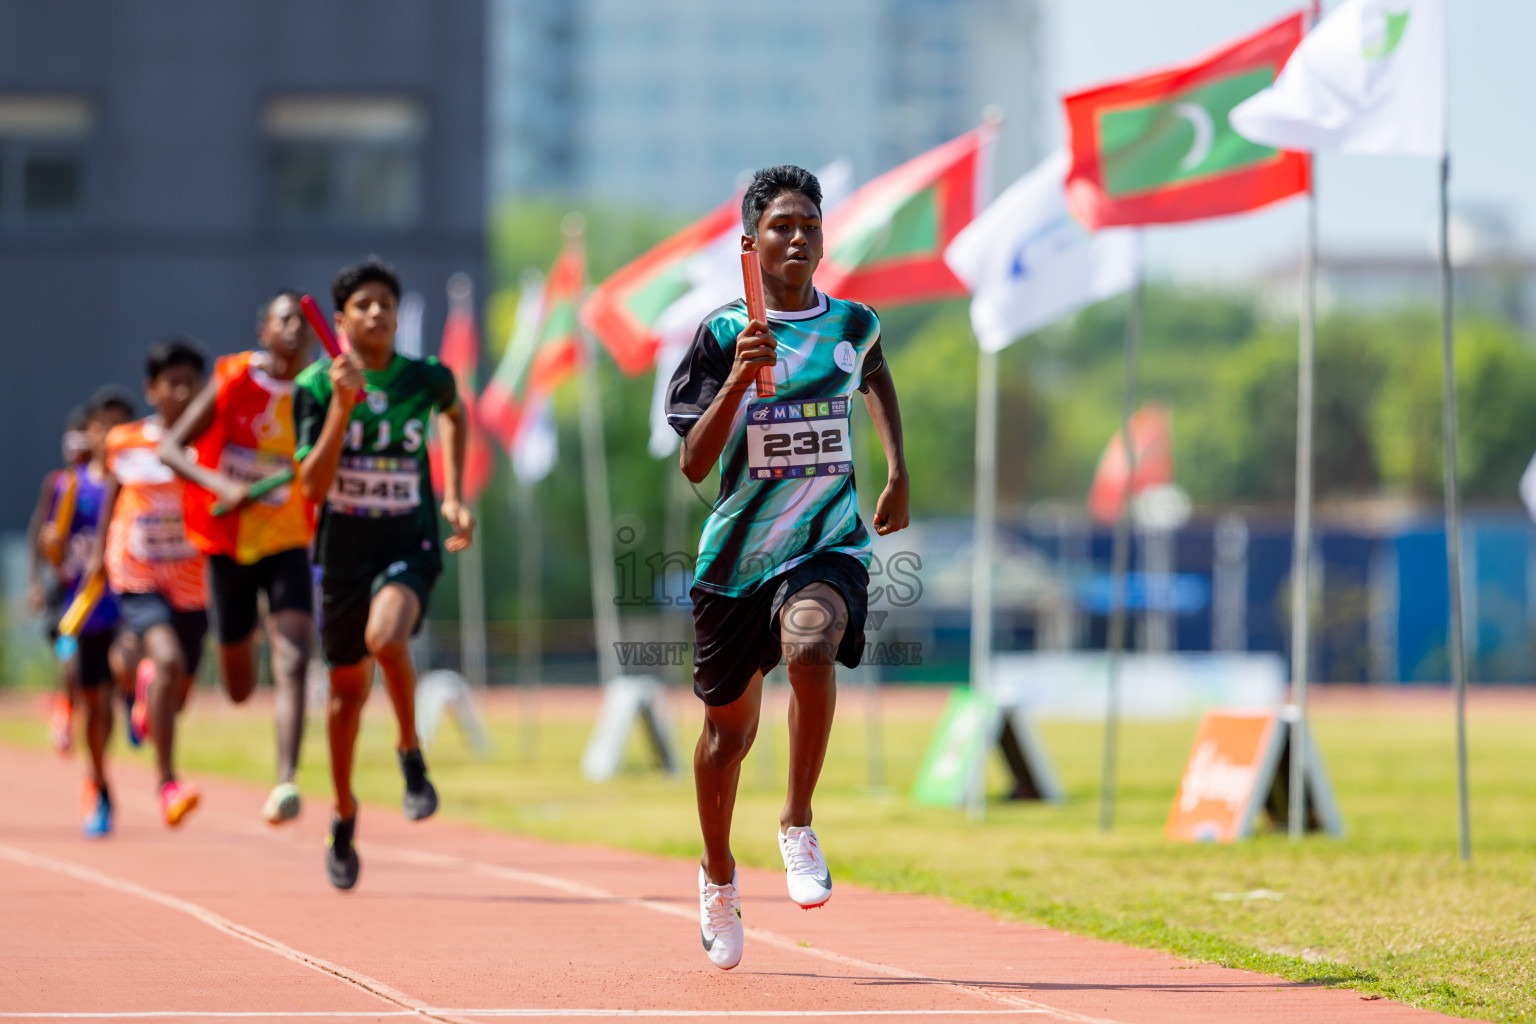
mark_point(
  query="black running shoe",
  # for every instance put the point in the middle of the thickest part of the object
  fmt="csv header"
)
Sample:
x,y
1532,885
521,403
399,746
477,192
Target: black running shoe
x,y
341,863
420,800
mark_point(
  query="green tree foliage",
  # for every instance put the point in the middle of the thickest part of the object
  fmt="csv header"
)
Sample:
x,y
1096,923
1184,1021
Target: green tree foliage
x,y
1496,411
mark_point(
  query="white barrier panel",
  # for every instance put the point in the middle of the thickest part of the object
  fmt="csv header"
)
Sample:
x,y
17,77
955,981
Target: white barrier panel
x,y
1074,684
628,701
445,692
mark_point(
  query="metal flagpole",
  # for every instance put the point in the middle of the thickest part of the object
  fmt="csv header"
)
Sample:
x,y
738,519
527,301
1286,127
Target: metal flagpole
x,y
1453,511
594,464
530,607
985,525
1120,560
471,563
1301,551
981,570
986,520
472,612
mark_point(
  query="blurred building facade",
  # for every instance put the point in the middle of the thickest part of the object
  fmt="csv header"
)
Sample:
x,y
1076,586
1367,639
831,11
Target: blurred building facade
x,y
665,103
1491,276
165,166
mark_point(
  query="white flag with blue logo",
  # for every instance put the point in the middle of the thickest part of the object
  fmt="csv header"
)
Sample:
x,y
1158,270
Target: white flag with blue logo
x,y
1027,262
1369,79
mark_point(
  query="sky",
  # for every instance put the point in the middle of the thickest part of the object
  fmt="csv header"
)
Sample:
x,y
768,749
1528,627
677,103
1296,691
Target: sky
x,y
1365,204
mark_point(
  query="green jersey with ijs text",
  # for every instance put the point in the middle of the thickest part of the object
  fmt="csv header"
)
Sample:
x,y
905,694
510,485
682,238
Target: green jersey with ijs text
x,y
381,505
786,472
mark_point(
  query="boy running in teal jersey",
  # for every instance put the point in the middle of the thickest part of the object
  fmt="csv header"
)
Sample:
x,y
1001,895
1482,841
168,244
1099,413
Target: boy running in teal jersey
x,y
361,422
783,561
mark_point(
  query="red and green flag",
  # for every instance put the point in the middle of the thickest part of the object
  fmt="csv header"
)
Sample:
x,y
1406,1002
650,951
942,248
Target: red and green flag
x,y
1113,482
460,352
545,350
623,310
1160,148
885,244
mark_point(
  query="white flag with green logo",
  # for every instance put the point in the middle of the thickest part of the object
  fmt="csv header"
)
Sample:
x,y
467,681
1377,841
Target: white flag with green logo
x,y
1369,79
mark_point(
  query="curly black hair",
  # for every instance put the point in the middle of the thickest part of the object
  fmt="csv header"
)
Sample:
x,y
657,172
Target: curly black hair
x,y
358,274
770,183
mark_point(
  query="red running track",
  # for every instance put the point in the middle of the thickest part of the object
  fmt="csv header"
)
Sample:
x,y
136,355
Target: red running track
x,y
226,919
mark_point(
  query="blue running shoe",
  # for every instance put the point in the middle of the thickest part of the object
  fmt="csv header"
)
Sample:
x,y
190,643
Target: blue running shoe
x,y
97,809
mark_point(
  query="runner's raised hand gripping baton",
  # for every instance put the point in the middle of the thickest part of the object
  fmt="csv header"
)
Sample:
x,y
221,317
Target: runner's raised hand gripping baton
x,y
79,610
757,309
335,344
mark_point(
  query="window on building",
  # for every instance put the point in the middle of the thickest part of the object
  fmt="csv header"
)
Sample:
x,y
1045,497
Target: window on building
x,y
346,161
44,157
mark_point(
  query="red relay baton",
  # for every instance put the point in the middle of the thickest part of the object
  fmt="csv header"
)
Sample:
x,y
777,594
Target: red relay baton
x,y
333,345
757,309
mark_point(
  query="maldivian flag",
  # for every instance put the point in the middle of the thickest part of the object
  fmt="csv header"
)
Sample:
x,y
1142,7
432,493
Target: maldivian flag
x,y
1152,441
885,244
460,352
623,310
1160,148
545,349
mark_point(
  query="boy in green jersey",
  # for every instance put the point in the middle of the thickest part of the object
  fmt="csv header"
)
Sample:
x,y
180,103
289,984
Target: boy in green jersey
x,y
361,422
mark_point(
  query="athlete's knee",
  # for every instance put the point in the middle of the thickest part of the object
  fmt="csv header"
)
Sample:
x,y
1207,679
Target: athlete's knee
x,y
349,685
290,657
387,644
346,702
238,663
98,704
169,666
808,658
725,747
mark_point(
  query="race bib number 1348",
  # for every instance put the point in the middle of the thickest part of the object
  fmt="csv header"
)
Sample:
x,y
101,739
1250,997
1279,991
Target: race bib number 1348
x,y
798,439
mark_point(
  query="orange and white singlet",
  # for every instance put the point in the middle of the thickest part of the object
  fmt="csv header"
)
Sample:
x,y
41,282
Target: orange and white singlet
x,y
147,546
251,438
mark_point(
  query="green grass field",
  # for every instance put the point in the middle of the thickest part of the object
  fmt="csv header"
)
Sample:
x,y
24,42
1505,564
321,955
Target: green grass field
x,y
1388,910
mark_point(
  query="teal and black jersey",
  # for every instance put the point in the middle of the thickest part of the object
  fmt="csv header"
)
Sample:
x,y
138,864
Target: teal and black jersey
x,y
786,473
381,503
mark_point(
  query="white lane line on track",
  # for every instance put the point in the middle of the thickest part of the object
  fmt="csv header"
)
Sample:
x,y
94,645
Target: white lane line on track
x,y
446,862
554,882
545,1012
580,889
82,873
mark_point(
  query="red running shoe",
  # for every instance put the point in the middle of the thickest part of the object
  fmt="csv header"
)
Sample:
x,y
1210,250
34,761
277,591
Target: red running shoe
x,y
177,799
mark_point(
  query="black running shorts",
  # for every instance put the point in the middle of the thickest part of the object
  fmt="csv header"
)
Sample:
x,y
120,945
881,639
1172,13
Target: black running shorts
x,y
344,603
738,636
143,612
232,590
94,658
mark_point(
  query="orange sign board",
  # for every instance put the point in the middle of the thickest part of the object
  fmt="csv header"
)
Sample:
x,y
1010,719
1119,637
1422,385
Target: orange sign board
x,y
1218,794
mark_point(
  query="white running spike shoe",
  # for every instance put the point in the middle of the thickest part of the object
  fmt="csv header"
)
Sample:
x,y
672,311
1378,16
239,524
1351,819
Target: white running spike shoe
x,y
720,921
805,869
282,804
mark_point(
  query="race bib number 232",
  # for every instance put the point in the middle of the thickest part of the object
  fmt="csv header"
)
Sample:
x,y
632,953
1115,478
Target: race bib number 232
x,y
797,439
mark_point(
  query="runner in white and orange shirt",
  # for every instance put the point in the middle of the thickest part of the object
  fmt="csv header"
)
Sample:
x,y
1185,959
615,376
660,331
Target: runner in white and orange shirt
x,y
241,434
150,564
